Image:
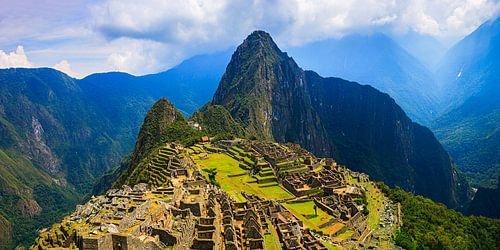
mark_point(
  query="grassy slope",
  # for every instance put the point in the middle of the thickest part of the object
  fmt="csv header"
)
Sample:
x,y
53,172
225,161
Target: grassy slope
x,y
21,180
226,166
305,212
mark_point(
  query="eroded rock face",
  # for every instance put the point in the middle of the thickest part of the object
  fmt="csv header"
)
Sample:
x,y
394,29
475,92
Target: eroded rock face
x,y
29,208
40,151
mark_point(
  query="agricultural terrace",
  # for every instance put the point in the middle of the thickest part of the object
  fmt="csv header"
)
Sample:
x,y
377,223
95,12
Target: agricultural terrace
x,y
305,212
235,180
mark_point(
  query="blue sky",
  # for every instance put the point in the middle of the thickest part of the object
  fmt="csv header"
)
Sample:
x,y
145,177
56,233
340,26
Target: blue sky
x,y
81,37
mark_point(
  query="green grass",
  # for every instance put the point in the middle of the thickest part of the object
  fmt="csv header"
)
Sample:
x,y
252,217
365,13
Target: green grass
x,y
375,203
227,166
329,246
305,212
272,240
343,236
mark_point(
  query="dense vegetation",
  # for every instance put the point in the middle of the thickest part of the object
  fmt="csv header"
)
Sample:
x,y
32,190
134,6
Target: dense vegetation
x,y
216,120
430,225
54,203
486,202
22,183
473,139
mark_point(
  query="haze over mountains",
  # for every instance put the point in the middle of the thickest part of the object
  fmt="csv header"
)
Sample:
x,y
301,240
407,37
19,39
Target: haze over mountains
x,y
58,134
379,61
470,85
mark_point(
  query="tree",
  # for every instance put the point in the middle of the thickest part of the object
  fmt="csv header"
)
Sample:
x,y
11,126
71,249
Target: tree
x,y
315,210
212,172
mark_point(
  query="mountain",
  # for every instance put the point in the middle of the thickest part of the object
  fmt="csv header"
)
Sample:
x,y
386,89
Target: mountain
x,y
50,143
274,99
469,83
163,123
125,99
58,134
194,184
189,85
379,61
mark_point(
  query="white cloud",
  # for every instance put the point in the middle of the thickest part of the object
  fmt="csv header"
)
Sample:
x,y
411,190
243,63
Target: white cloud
x,y
138,56
184,28
17,59
148,36
65,67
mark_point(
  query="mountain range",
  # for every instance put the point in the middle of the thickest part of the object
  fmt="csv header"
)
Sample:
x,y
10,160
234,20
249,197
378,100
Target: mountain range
x,y
379,61
59,134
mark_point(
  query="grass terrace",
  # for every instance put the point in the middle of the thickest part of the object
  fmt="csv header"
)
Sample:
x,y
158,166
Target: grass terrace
x,y
375,200
305,212
271,239
235,180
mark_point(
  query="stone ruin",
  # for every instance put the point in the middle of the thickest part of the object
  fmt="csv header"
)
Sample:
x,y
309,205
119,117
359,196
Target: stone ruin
x,y
178,208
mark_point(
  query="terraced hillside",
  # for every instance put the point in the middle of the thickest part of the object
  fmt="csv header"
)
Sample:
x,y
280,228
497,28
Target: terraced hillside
x,y
233,194
161,166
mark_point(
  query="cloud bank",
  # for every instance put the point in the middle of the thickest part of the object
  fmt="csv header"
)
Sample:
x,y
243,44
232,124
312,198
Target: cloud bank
x,y
149,36
16,59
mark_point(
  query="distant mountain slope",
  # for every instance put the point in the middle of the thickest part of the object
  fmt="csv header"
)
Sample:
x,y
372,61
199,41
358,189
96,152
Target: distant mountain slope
x,y
46,117
427,49
125,99
189,85
57,132
265,91
469,68
47,144
378,61
470,86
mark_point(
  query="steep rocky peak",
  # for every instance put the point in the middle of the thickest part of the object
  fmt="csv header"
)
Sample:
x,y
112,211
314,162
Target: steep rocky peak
x,y
258,74
258,47
259,40
158,119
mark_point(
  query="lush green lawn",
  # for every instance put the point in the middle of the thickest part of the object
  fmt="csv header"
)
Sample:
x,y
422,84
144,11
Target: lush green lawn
x,y
272,240
227,166
305,212
375,200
